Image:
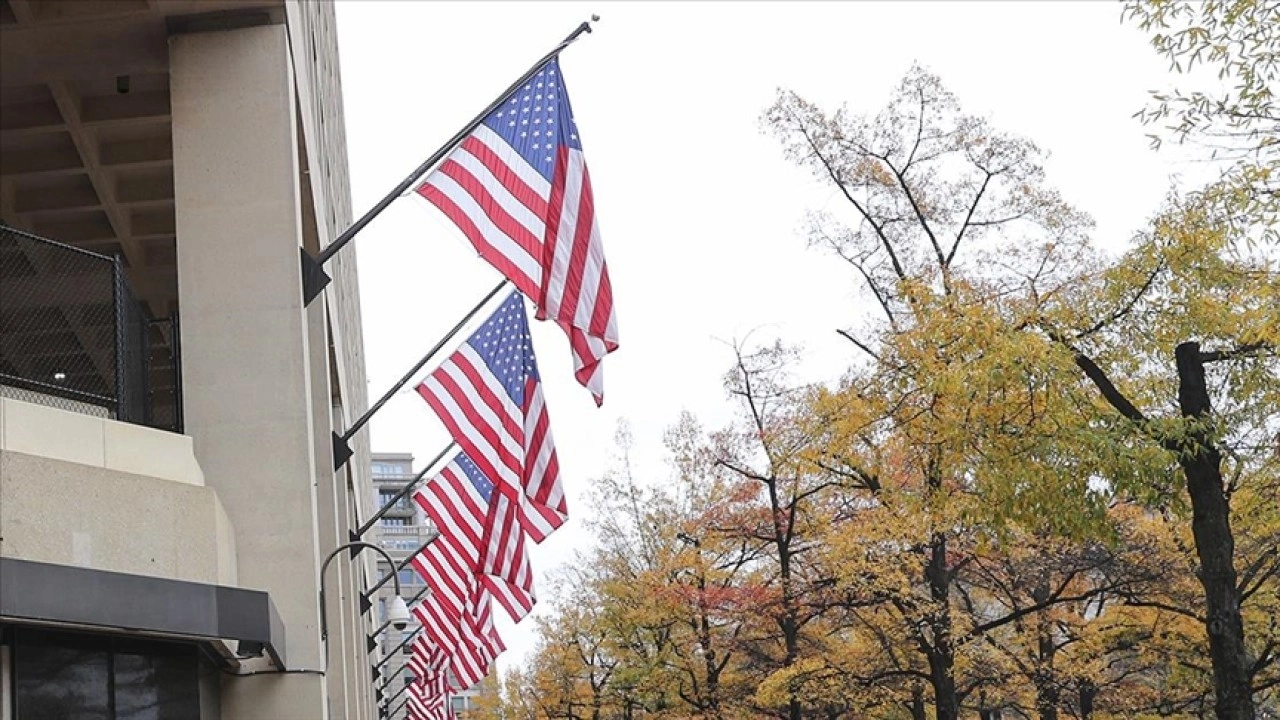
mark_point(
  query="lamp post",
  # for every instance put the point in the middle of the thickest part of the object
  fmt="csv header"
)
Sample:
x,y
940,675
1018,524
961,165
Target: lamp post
x,y
397,614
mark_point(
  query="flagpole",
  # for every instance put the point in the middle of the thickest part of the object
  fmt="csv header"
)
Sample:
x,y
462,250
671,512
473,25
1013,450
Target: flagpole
x,y
398,694
365,604
402,702
314,278
341,443
407,639
408,488
392,678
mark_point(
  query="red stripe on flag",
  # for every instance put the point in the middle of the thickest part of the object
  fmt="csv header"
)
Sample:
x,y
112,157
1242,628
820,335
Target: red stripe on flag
x,y
509,178
555,209
475,452
583,209
492,400
526,284
498,215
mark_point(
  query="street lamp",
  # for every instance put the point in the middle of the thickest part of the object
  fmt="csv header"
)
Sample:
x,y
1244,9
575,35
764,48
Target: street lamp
x,y
397,613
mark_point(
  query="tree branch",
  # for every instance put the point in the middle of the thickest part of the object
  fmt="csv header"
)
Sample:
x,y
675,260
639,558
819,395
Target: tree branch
x,y
928,231
884,240
744,472
1241,351
859,343
1128,307
1108,389
1131,602
960,235
869,481
882,296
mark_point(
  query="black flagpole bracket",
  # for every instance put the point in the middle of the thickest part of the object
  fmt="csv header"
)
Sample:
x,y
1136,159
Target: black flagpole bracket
x,y
342,452
365,603
314,278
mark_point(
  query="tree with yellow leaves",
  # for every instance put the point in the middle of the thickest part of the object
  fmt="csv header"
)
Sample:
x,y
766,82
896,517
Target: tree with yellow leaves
x,y
989,512
1179,336
951,411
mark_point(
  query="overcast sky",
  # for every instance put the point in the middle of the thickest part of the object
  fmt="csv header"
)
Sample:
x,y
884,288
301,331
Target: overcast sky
x,y
700,215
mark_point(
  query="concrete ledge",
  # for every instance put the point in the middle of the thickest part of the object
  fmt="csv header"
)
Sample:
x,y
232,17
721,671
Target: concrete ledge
x,y
69,513
97,442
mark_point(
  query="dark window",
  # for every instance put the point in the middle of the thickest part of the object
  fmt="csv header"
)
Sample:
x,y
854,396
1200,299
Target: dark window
x,y
63,680
63,676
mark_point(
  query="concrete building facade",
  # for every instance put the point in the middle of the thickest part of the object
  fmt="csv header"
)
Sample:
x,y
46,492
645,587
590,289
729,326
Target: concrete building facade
x,y
173,570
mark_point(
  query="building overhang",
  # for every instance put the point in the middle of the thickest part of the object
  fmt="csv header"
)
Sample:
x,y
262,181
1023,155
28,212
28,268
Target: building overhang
x,y
96,600
86,140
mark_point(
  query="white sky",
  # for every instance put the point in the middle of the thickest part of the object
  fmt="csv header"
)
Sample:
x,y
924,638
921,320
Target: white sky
x,y
700,214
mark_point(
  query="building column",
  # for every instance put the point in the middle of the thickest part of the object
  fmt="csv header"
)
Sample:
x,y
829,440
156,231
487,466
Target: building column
x,y
247,370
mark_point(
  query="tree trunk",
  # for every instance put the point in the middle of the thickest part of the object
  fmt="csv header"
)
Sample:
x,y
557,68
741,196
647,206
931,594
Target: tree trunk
x,y
1215,545
941,653
790,635
917,703
1046,681
1087,691
711,699
789,622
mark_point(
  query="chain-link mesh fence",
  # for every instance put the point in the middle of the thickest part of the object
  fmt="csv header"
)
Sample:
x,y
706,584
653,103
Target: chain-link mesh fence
x,y
73,336
166,374
133,353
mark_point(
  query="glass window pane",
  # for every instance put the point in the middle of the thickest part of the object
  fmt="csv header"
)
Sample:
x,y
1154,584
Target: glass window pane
x,y
60,678
156,686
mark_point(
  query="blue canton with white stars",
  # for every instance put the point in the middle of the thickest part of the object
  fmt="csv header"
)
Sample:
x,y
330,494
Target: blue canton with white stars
x,y
537,120
503,343
482,484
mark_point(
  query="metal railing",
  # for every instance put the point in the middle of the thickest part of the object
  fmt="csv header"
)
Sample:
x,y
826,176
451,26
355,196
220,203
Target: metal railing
x,y
404,538
415,531
72,335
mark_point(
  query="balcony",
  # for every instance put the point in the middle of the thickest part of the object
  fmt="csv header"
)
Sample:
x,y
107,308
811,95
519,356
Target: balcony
x,y
74,336
397,539
420,532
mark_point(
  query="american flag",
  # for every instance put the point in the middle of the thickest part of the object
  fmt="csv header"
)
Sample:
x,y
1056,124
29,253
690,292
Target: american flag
x,y
458,603
519,189
489,395
426,657
428,697
459,502
470,642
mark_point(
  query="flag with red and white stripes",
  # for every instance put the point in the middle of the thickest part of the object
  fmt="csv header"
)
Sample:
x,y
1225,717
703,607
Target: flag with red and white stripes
x,y
458,603
519,189
489,396
461,504
469,641
428,697
426,657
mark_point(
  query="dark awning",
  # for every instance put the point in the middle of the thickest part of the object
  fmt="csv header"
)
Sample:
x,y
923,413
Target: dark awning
x,y
37,592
